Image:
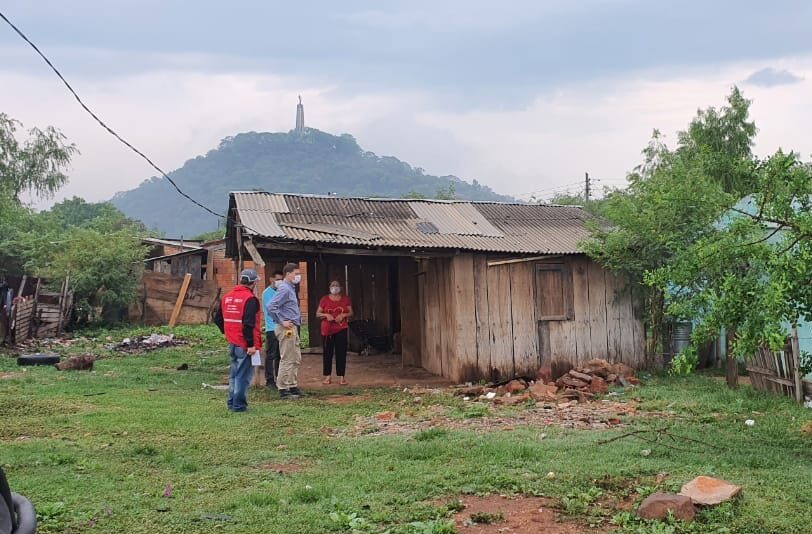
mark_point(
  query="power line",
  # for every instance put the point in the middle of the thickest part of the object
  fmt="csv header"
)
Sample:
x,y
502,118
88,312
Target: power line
x,y
101,123
548,189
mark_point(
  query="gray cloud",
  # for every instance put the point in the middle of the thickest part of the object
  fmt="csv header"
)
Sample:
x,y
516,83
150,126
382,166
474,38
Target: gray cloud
x,y
771,77
471,54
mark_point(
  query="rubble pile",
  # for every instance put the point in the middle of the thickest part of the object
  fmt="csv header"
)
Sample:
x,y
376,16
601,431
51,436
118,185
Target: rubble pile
x,y
594,378
145,343
561,382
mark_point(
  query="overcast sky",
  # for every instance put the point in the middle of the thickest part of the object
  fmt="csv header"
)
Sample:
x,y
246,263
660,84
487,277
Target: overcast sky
x,y
523,96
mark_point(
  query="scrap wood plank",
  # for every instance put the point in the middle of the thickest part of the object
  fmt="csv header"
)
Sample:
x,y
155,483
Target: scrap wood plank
x,y
179,303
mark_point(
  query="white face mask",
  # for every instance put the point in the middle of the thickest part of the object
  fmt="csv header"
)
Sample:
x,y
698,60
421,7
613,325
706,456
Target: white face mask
x,y
297,278
335,290
278,283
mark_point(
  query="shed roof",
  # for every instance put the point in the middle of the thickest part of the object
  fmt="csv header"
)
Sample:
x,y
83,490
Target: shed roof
x,y
413,224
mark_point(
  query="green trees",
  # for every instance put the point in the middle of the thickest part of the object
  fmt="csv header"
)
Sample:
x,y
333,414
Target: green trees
x,y
713,234
37,165
92,242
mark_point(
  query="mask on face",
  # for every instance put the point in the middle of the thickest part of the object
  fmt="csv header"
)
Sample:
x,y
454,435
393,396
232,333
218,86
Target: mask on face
x,y
278,283
335,290
297,278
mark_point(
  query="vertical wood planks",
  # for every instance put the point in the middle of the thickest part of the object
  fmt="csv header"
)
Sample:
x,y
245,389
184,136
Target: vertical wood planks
x,y
446,319
483,331
615,301
580,292
501,321
638,329
432,360
597,310
464,361
523,311
410,332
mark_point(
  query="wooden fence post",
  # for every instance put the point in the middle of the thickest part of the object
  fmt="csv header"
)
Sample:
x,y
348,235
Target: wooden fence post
x,y
179,303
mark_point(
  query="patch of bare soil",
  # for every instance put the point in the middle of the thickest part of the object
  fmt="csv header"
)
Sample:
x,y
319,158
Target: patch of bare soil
x,y
346,399
10,376
515,515
485,417
281,468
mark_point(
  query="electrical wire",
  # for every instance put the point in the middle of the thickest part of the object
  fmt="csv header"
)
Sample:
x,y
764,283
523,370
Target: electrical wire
x,y
549,189
102,123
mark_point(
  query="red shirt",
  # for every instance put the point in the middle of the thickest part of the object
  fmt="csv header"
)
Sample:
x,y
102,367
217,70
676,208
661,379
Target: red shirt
x,y
334,308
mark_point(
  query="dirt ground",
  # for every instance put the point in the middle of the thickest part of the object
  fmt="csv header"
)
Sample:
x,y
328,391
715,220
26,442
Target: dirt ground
x,y
515,515
379,370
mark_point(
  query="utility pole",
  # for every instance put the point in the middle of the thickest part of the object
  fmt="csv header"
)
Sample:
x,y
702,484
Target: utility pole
x,y
586,186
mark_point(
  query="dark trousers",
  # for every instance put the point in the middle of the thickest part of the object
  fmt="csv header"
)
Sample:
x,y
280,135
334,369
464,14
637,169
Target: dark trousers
x,y
272,357
335,344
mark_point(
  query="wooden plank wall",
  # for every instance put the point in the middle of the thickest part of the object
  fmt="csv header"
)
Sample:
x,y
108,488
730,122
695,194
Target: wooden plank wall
x,y
438,328
605,324
158,294
481,322
410,325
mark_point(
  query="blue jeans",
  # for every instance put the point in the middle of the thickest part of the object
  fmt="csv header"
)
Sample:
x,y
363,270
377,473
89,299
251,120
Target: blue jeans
x,y
239,378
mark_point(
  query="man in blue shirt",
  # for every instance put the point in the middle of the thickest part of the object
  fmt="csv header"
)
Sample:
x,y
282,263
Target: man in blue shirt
x,y
284,310
272,344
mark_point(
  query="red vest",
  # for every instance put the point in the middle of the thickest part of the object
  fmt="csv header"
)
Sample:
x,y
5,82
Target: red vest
x,y
232,307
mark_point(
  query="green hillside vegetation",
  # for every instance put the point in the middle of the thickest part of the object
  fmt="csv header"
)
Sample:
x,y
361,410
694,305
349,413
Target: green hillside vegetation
x,y
313,162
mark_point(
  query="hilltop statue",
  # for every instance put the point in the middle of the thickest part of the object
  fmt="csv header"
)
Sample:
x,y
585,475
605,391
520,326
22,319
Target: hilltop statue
x,y
300,117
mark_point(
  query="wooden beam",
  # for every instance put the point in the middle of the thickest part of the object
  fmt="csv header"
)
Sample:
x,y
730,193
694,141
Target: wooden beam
x,y
315,249
179,303
254,253
522,260
796,364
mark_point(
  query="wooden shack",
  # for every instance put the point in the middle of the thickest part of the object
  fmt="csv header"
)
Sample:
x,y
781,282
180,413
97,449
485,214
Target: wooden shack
x,y
471,290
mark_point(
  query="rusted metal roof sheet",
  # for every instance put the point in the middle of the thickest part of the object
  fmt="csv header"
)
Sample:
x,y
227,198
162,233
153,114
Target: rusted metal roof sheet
x,y
488,227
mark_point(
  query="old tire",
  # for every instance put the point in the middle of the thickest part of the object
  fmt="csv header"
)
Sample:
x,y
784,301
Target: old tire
x,y
26,516
38,359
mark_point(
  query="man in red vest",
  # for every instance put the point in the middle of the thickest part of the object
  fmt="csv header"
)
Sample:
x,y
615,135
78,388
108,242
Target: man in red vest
x,y
239,319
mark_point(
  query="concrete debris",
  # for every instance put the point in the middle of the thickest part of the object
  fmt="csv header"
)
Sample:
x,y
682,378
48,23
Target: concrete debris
x,y
708,491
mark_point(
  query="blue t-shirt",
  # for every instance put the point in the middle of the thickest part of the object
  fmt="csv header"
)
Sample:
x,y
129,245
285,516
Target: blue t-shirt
x,y
267,295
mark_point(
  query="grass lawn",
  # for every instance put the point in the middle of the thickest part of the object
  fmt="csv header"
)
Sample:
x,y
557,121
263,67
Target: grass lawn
x,y
137,446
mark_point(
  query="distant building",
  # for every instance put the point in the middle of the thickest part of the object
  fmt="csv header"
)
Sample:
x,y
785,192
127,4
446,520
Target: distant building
x,y
300,117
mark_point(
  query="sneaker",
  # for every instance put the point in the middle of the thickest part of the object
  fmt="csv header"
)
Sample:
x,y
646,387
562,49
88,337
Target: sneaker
x,y
296,391
287,394
271,387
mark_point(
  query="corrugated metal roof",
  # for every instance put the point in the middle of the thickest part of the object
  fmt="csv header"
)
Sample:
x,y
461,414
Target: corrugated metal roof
x,y
257,212
489,227
259,200
348,207
454,218
470,213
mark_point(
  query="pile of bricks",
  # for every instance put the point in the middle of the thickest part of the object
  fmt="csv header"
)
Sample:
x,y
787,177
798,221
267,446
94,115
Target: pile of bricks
x,y
558,382
594,378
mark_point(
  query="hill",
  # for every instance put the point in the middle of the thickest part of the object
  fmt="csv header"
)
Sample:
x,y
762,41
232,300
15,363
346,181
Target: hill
x,y
312,162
